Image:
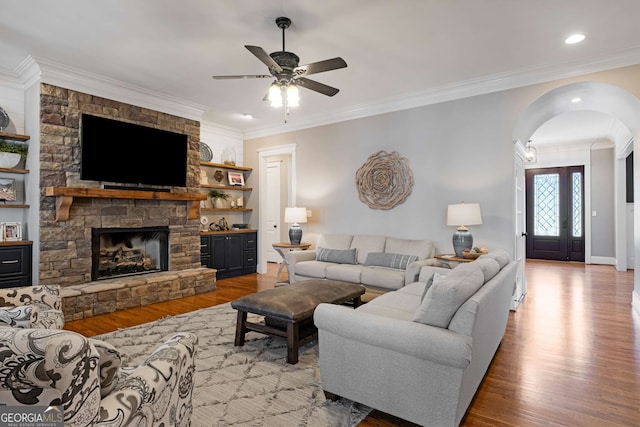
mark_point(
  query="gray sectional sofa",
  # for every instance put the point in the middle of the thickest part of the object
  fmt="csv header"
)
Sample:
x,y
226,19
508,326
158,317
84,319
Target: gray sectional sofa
x,y
379,263
421,352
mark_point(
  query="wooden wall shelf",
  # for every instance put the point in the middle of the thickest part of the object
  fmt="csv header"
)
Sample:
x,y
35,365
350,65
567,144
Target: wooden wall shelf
x,y
220,165
226,210
64,198
14,136
226,187
13,206
14,170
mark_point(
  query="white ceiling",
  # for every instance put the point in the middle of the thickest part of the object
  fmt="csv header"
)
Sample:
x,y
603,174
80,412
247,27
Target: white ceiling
x,y
416,50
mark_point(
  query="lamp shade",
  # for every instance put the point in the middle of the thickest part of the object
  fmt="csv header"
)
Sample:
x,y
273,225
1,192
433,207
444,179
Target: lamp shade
x,y
464,214
295,215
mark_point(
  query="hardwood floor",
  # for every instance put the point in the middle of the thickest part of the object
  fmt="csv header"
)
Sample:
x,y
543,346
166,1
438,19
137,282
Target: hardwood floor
x,y
570,355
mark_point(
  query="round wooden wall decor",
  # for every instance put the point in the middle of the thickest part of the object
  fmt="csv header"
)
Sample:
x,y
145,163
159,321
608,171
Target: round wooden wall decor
x,y
384,180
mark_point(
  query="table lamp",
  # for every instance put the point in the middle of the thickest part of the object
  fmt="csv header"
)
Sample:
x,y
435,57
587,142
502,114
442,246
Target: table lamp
x,y
294,216
461,215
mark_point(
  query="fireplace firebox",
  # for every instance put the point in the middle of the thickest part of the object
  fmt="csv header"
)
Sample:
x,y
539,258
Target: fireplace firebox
x,y
119,252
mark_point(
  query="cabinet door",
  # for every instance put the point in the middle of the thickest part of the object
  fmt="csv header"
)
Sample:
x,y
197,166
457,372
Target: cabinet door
x,y
218,251
234,252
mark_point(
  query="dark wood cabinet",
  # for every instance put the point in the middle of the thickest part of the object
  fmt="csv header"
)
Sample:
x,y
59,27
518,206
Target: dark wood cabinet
x,y
232,254
15,264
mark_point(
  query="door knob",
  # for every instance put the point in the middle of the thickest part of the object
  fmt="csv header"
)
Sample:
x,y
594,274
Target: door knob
x,y
275,226
524,234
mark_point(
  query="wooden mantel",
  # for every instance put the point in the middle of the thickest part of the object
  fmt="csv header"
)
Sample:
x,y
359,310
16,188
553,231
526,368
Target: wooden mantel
x,y
64,198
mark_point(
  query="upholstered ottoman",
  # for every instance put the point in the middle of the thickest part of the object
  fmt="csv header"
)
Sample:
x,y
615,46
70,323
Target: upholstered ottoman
x,y
288,310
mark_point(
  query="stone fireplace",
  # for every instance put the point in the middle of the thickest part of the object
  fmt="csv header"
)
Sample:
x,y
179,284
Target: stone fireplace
x,y
117,252
67,244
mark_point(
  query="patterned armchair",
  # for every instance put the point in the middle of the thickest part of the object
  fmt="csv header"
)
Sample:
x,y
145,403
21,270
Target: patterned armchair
x,y
31,307
49,367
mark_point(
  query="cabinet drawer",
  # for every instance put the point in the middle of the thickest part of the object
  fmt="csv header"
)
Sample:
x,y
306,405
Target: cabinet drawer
x,y
14,260
204,244
250,241
250,259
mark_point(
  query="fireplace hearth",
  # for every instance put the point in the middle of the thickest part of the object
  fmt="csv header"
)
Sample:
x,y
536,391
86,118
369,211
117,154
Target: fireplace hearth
x,y
117,252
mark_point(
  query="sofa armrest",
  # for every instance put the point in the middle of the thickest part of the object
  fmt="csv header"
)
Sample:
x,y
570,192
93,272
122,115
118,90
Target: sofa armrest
x,y
293,257
425,342
158,391
412,272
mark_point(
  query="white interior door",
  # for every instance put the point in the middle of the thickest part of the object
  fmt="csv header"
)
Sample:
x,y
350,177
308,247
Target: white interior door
x,y
272,218
520,229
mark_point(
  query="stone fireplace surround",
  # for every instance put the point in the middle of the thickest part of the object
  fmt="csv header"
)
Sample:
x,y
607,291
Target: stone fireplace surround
x,y
65,246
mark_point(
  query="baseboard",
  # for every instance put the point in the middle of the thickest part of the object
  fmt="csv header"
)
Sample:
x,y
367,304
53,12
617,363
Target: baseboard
x,y
603,260
635,302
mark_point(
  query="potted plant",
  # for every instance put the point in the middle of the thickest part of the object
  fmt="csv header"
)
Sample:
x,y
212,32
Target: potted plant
x,y
11,153
218,198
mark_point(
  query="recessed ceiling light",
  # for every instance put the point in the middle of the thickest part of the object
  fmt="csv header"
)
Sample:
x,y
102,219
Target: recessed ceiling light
x,y
574,38
576,100
247,116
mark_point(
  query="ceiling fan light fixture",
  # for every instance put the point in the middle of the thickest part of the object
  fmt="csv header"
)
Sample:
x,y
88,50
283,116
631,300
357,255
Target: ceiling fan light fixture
x,y
293,95
275,95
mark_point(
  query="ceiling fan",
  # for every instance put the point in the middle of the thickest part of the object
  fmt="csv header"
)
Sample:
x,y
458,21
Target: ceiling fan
x,y
288,74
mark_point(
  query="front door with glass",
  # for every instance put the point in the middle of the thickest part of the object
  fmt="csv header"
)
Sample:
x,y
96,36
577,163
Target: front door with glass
x,y
555,213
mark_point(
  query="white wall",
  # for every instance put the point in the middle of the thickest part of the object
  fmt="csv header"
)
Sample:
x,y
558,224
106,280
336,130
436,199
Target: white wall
x,y
602,203
219,139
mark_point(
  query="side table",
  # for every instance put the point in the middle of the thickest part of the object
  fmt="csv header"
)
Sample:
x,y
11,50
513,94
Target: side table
x,y
451,260
280,248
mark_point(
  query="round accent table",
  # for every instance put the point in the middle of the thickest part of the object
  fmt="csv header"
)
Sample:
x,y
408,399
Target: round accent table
x,y
280,248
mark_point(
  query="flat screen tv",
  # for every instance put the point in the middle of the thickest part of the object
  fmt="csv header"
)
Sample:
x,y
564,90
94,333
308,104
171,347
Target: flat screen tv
x,y
127,153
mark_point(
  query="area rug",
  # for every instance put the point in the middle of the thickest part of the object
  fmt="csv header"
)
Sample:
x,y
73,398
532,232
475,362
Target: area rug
x,y
242,386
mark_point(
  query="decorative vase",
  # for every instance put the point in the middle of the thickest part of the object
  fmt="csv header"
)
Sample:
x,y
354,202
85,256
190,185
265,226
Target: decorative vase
x,y
9,160
219,203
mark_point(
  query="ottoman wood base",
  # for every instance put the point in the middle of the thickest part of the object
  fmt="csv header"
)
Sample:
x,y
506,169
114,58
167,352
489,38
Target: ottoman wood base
x,y
292,307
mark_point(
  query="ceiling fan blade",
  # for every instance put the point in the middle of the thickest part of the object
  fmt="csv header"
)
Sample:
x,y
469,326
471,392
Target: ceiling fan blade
x,y
248,76
316,86
264,57
320,66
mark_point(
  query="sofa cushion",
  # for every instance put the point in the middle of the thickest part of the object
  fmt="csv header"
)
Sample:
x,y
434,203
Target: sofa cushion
x,y
395,305
335,241
344,272
16,317
312,269
489,267
420,248
444,297
382,278
389,260
367,244
501,256
339,256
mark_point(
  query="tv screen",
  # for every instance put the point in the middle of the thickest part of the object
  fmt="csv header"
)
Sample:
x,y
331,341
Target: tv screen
x,y
127,153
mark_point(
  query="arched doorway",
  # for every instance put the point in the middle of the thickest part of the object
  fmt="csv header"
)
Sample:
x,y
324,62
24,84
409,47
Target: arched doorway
x,y
610,100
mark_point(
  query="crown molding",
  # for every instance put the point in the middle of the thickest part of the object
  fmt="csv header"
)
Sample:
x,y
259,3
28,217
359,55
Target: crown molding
x,y
220,130
481,86
95,84
11,80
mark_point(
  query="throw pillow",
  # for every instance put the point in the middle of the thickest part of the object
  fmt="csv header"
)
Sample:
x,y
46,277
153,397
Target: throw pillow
x,y
389,260
45,317
444,298
109,364
339,256
489,267
434,279
16,317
